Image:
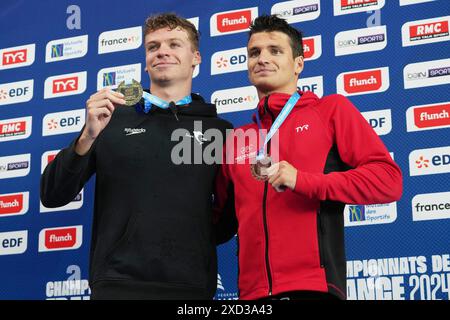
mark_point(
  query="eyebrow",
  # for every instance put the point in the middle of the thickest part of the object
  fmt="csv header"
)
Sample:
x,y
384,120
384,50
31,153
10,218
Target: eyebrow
x,y
270,47
171,39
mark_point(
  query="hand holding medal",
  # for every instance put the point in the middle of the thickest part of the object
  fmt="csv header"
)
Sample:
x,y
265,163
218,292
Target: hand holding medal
x,y
263,169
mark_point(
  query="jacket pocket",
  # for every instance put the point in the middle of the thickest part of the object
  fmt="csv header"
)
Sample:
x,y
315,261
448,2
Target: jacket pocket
x,y
129,230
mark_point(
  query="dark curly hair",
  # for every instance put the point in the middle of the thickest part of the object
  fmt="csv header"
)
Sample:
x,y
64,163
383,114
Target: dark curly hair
x,y
270,23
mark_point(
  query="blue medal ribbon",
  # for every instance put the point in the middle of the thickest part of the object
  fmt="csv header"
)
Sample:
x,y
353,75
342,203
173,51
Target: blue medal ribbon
x,y
150,99
277,123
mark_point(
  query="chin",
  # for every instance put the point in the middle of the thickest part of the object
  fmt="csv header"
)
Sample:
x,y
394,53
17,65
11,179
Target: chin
x,y
263,85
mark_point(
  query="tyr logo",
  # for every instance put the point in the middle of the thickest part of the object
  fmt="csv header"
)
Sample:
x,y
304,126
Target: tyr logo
x,y
301,128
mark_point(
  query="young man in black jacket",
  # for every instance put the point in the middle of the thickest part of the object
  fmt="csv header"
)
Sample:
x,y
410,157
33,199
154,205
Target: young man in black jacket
x,y
153,233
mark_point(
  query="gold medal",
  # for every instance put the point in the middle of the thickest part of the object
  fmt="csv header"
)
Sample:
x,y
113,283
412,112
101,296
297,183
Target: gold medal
x,y
132,92
259,169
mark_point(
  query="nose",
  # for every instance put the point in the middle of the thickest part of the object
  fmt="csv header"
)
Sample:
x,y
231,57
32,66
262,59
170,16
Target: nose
x,y
163,50
263,57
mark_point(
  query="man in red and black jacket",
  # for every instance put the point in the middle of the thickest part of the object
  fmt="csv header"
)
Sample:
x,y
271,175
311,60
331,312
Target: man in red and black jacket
x,y
324,155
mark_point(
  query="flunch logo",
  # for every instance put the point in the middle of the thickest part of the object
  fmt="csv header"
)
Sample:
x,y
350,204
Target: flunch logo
x,y
63,238
13,204
15,57
65,85
15,129
363,81
312,47
234,21
427,117
426,31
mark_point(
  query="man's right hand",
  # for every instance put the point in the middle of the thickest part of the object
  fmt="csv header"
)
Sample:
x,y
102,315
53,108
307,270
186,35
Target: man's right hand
x,y
100,108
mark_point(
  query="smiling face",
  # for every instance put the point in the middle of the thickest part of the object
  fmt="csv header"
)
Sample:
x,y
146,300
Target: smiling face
x,y
170,57
271,64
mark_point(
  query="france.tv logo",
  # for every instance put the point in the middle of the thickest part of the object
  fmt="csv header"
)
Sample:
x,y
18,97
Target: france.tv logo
x,y
357,213
57,50
109,79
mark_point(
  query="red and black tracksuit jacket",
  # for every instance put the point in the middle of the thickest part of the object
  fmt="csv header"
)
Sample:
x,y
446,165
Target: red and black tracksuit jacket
x,y
294,240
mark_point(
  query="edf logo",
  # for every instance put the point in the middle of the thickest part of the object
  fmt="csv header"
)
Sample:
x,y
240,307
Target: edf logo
x,y
63,122
14,92
229,61
441,160
309,87
377,123
242,58
14,242
429,161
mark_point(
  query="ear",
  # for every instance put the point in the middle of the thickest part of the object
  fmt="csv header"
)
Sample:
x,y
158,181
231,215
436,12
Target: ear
x,y
298,62
197,58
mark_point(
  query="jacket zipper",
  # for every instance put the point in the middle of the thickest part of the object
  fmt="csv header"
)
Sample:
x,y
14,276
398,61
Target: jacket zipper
x,y
266,232
320,233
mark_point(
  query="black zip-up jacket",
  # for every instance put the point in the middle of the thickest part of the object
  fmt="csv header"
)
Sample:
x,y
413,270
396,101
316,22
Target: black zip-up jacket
x,y
153,235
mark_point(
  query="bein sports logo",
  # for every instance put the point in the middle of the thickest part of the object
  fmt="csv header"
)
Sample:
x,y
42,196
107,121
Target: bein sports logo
x,y
62,238
297,11
15,166
363,81
424,74
360,40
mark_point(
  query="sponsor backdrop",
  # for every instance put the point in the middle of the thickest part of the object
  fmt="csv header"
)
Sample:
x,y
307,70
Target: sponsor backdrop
x,y
391,58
